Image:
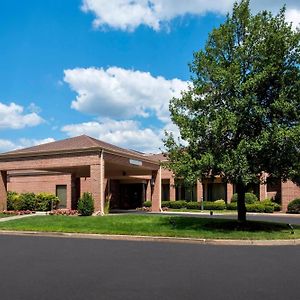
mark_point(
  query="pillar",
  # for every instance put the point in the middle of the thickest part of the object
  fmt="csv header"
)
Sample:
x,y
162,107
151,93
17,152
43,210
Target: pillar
x,y
98,185
229,192
148,191
199,191
156,194
172,189
3,190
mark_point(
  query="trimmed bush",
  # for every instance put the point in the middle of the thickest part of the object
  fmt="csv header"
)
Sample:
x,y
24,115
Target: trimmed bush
x,y
46,202
11,200
86,205
255,207
294,206
269,203
193,205
178,204
231,206
165,204
216,205
250,198
27,201
147,203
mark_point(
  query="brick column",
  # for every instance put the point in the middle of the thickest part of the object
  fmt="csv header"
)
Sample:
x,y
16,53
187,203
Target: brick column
x,y
172,189
199,191
98,185
156,195
229,192
263,192
148,191
3,190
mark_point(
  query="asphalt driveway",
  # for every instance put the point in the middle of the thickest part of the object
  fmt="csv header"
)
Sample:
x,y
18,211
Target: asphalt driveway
x,y
64,268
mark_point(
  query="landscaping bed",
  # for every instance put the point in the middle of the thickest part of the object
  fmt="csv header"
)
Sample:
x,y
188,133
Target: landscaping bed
x,y
146,225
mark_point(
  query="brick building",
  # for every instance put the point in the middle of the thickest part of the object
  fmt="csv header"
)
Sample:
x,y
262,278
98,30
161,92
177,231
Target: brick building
x,y
70,167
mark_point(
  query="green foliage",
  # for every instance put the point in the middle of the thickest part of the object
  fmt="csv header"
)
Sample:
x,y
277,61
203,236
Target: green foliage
x,y
255,207
46,202
231,206
274,206
240,115
11,200
86,205
30,201
165,204
147,203
216,205
193,205
27,201
178,204
250,198
294,206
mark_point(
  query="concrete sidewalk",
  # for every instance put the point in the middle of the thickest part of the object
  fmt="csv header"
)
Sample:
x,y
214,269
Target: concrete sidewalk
x,y
5,219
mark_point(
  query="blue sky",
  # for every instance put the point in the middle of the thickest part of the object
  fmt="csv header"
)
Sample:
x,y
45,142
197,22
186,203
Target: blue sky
x,y
102,68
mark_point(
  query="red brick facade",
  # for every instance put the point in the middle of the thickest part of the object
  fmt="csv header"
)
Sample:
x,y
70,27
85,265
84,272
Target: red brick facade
x,y
99,171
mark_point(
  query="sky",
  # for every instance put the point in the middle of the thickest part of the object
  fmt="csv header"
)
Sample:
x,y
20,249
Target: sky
x,y
102,68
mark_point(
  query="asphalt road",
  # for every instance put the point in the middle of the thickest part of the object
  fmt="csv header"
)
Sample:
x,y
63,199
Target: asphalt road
x,y
64,268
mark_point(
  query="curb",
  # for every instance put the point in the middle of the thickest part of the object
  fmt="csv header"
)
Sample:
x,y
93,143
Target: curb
x,y
221,242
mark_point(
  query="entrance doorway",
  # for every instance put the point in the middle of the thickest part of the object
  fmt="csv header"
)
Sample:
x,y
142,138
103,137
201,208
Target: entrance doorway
x,y
131,195
61,193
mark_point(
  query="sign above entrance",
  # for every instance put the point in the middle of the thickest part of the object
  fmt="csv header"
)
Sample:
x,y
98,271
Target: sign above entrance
x,y
135,162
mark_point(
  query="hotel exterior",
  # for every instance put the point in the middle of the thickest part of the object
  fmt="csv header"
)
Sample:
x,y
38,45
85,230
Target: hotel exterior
x,y
70,167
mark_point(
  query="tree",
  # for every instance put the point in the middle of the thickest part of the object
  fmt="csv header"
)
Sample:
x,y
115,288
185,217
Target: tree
x,y
240,116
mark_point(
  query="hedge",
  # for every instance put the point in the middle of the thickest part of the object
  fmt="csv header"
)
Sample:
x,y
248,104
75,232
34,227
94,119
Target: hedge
x,y
216,205
193,205
250,198
31,201
294,206
178,204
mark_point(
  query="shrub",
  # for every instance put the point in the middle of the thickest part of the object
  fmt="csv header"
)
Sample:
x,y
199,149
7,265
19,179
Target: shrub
x,y
294,206
178,204
216,205
165,204
255,207
46,202
11,199
193,205
250,198
270,206
231,206
147,203
27,201
86,205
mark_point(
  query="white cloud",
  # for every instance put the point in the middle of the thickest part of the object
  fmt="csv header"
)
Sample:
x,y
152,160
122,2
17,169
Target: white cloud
x,y
128,14
120,93
12,116
7,145
127,134
293,15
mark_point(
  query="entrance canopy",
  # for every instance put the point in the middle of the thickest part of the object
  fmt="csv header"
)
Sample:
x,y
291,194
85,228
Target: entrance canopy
x,y
83,156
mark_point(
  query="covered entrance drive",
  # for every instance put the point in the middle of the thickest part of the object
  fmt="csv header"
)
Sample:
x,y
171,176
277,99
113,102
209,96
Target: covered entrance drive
x,y
93,166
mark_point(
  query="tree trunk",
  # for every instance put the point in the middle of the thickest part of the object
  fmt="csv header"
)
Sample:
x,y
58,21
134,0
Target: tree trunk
x,y
241,206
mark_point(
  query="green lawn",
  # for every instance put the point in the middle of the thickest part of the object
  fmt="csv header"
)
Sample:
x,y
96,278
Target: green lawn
x,y
4,215
154,226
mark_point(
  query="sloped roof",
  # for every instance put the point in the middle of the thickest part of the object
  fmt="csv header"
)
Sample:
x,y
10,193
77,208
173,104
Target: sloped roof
x,y
82,142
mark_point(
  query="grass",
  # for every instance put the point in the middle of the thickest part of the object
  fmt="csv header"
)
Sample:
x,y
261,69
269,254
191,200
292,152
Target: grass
x,y
4,215
171,226
224,211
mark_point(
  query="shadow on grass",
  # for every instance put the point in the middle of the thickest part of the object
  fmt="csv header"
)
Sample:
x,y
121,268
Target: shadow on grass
x,y
222,225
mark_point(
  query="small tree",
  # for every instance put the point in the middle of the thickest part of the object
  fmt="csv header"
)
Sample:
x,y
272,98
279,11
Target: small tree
x,y
86,205
240,116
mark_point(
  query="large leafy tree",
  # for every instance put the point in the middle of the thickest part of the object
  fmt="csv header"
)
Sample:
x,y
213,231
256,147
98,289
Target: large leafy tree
x,y
240,117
